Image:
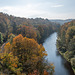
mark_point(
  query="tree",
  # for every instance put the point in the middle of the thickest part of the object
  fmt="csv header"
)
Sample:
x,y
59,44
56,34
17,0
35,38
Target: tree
x,y
26,50
73,62
71,45
27,31
70,33
1,38
10,37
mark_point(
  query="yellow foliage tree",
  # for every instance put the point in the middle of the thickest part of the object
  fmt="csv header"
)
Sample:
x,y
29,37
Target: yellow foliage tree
x,y
23,54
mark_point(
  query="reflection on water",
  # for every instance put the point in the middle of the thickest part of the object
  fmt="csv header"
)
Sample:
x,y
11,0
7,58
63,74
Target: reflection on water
x,y
62,67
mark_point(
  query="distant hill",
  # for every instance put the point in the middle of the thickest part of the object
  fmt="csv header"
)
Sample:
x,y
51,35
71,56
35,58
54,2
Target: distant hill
x,y
61,22
9,22
38,28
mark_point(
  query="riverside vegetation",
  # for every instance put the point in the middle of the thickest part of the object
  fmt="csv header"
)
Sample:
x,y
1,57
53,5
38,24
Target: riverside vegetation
x,y
66,42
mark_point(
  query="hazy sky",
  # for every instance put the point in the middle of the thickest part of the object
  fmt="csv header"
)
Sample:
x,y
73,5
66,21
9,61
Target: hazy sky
x,y
51,9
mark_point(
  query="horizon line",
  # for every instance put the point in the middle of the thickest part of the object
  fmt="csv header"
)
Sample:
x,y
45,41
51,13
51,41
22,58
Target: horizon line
x,y
38,17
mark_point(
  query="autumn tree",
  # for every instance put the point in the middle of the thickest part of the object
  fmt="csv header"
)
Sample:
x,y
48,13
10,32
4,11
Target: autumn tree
x,y
70,33
27,31
25,50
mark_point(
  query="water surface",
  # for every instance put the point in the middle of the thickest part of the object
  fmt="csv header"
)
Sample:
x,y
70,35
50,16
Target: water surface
x,y
62,67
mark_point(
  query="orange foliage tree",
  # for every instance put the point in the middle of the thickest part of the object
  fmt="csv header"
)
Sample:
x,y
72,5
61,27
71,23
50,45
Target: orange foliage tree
x,y
23,54
27,31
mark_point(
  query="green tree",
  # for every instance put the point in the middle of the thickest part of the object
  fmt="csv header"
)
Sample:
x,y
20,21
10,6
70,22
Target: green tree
x,y
1,38
10,37
73,62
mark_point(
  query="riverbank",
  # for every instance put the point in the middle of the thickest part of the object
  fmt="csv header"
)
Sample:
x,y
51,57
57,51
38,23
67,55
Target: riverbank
x,y
66,42
68,60
63,54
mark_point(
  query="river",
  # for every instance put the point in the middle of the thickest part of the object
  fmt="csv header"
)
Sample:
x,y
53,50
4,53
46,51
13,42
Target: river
x,y
62,67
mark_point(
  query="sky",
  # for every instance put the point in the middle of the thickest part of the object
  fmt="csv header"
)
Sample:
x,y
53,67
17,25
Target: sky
x,y
50,9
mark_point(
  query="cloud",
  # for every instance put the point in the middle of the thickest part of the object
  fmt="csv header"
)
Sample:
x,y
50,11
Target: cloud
x,y
27,11
43,10
55,6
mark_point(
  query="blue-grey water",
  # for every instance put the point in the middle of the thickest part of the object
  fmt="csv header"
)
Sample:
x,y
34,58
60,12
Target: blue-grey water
x,y
62,67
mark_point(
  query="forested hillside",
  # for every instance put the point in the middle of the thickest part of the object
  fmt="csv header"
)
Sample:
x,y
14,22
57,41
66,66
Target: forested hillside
x,y
37,28
66,42
23,52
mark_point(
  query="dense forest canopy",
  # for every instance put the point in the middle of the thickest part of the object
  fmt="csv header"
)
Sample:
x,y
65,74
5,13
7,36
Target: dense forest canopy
x,y
31,28
22,51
